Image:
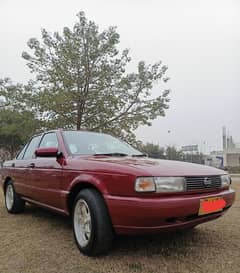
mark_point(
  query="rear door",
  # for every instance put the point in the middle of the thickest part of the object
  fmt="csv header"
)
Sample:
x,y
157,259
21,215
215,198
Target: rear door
x,y
22,167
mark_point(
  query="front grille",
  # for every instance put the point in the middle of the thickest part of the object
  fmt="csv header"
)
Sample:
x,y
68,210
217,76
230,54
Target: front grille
x,y
202,182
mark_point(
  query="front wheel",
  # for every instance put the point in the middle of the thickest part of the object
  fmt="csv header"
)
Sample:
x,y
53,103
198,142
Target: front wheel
x,y
13,202
92,227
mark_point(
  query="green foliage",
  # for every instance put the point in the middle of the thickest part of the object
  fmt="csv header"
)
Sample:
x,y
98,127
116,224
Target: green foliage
x,y
194,158
15,129
170,153
173,154
81,81
153,150
17,121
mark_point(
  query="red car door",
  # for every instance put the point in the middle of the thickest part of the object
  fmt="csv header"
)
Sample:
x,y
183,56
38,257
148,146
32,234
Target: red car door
x,y
46,175
22,168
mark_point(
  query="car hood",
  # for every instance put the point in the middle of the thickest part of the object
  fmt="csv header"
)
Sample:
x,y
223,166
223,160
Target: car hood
x,y
155,167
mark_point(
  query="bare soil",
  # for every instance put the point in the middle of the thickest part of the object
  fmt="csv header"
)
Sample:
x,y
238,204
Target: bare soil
x,y
38,241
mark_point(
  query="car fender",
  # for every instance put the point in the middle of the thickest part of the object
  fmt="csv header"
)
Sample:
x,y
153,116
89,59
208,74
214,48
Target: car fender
x,y
89,179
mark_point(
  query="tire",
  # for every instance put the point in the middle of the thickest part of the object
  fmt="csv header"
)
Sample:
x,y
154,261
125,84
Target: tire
x,y
13,202
93,231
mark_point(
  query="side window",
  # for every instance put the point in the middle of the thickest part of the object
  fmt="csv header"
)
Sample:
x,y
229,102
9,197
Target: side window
x,y
49,140
21,152
32,147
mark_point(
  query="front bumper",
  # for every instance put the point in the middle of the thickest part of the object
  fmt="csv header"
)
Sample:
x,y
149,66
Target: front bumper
x,y
131,215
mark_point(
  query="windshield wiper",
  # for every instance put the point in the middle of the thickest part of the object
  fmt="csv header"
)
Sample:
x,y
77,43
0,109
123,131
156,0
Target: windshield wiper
x,y
140,155
112,154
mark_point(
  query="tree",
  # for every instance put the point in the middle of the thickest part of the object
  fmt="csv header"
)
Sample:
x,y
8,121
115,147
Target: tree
x,y
15,129
153,150
82,81
17,120
194,157
173,154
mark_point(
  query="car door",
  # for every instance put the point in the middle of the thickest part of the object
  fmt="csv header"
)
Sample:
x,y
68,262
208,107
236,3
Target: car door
x,y
22,167
46,175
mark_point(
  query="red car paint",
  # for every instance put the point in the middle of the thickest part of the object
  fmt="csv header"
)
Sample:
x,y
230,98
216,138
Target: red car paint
x,y
50,182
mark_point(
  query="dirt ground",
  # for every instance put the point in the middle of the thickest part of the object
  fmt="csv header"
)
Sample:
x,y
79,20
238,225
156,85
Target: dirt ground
x,y
38,241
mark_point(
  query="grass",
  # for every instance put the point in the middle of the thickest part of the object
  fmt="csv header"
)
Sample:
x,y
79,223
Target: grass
x,y
38,241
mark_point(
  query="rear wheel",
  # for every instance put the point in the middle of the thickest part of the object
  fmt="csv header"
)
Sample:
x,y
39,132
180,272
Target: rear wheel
x,y
92,227
13,202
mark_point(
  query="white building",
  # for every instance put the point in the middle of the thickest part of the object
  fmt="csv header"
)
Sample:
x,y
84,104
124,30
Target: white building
x,y
232,157
231,151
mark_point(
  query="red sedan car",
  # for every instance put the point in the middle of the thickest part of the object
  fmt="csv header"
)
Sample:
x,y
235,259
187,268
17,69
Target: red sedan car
x,y
109,187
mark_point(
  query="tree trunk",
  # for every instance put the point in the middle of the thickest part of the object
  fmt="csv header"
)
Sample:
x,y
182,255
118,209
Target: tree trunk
x,y
12,148
79,118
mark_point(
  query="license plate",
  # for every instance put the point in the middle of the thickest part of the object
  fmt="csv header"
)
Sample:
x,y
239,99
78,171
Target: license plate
x,y
210,205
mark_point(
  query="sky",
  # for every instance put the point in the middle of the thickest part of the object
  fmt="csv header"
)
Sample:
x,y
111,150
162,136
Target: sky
x,y
199,41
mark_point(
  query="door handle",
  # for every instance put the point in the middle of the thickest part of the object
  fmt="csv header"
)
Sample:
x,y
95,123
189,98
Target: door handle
x,y
31,165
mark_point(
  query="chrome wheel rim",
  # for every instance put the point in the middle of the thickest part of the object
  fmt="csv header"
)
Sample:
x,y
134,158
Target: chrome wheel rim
x,y
9,197
82,222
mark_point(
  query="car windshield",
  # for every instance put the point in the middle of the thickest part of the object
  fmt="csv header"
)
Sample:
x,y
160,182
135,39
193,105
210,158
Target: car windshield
x,y
90,143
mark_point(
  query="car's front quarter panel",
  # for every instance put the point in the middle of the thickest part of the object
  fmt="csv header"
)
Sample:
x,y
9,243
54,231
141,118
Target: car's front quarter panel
x,y
108,178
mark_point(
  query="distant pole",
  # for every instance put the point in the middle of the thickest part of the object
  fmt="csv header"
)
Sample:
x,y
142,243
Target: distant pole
x,y
204,147
224,138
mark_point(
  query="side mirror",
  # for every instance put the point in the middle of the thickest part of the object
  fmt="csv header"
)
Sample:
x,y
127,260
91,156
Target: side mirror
x,y
46,152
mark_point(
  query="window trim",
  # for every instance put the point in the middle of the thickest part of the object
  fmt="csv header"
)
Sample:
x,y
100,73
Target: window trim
x,y
23,149
47,133
39,135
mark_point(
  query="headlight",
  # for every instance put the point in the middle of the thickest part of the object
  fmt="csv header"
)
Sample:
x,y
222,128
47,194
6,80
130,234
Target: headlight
x,y
160,184
170,184
145,184
225,180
